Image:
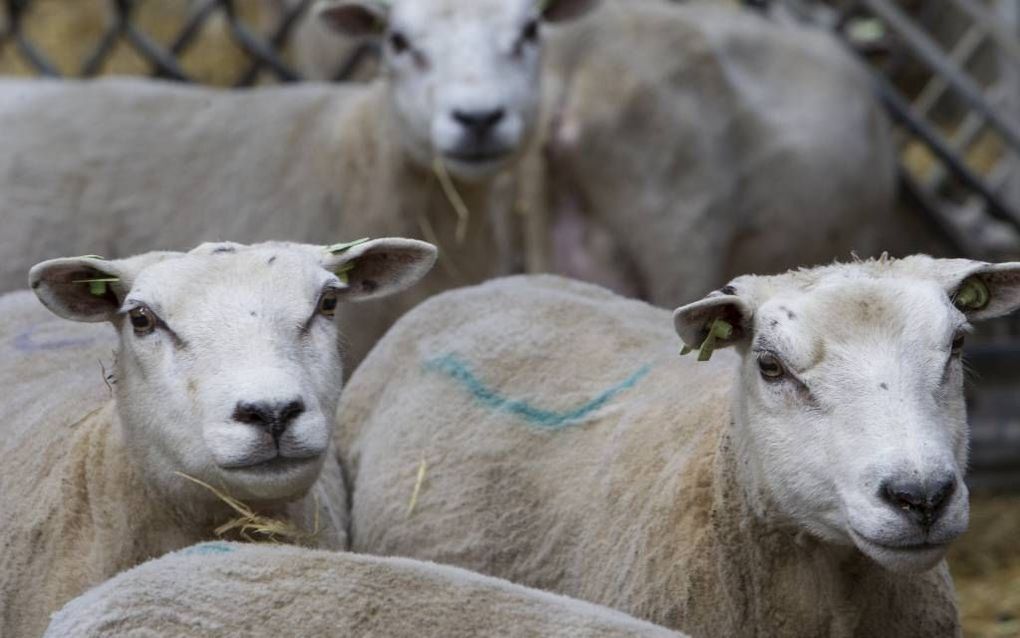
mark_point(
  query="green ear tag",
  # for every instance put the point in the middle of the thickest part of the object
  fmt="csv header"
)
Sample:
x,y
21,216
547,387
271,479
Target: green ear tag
x,y
336,249
972,295
97,286
342,273
718,330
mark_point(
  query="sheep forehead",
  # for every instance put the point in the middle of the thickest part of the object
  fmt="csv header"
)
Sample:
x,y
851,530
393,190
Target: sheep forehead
x,y
279,277
838,318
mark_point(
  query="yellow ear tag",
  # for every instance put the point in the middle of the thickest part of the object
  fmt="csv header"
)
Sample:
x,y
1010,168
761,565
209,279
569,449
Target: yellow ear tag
x,y
972,295
719,329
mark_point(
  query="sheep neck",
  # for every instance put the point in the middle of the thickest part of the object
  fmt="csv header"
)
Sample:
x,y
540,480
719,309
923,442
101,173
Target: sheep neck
x,y
165,520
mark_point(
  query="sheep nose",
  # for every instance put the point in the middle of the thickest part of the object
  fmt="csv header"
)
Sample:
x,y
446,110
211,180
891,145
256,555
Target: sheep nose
x,y
479,122
274,418
924,503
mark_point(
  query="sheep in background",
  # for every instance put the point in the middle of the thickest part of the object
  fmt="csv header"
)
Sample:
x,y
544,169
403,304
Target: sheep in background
x,y
693,143
228,371
699,136
807,485
117,166
225,589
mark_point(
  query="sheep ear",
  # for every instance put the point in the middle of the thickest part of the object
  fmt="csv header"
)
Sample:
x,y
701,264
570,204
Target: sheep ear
x,y
717,321
79,288
88,288
379,267
565,10
353,18
983,291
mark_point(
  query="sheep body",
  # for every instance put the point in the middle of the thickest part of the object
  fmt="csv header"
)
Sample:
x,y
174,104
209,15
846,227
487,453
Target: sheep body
x,y
569,448
709,128
178,165
747,146
226,589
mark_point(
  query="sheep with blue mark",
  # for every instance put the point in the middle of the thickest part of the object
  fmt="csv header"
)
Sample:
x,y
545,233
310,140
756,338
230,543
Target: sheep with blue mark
x,y
217,419
807,484
120,165
225,589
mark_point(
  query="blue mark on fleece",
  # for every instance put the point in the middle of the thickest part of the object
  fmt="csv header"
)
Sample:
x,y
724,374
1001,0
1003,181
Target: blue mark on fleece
x,y
204,549
459,371
25,341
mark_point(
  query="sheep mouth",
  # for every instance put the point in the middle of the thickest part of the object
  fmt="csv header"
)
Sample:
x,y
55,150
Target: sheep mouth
x,y
477,156
275,465
926,546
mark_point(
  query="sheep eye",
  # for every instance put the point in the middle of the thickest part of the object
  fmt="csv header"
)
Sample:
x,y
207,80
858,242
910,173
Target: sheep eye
x,y
328,303
399,43
770,367
142,320
530,31
958,341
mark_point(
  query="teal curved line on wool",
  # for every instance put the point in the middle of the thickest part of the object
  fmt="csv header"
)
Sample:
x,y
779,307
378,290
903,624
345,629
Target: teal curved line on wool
x,y
207,548
460,372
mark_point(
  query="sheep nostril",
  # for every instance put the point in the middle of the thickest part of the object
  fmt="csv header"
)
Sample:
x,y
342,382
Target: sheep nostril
x,y
274,418
924,503
479,122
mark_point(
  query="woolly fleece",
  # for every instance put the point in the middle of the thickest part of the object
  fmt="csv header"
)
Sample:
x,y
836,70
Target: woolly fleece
x,y
635,505
227,589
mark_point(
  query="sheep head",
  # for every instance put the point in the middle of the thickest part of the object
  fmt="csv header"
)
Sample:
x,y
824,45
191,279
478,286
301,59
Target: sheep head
x,y
229,367
463,74
849,409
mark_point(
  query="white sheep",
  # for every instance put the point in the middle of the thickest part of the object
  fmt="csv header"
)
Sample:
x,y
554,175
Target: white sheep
x,y
698,138
697,142
807,485
228,589
228,372
119,166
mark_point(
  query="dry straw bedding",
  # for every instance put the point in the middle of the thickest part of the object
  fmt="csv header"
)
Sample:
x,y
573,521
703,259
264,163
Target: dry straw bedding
x,y
986,568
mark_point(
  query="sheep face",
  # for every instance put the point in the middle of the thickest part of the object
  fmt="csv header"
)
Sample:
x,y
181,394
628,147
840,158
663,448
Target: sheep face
x,y
229,367
849,409
463,76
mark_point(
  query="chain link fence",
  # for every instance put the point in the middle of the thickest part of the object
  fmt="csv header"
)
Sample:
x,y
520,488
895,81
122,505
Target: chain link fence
x,y
226,42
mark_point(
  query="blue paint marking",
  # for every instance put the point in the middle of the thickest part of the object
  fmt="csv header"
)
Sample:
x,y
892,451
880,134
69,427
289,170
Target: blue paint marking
x,y
204,549
459,371
25,342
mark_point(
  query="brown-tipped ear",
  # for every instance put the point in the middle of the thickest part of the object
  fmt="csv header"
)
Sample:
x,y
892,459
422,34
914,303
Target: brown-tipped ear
x,y
379,267
987,290
695,321
564,10
353,18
